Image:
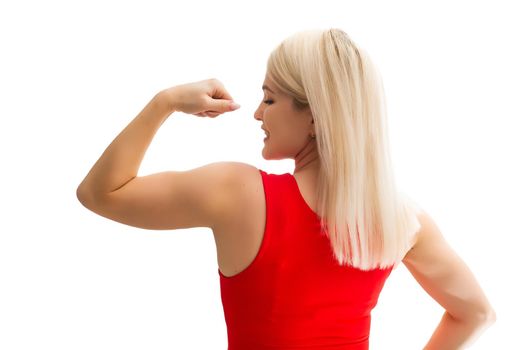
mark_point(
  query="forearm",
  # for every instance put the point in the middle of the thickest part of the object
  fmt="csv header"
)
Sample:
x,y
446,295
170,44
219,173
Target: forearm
x,y
121,160
454,334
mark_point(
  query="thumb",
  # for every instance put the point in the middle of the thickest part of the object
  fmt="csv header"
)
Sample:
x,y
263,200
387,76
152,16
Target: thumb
x,y
223,105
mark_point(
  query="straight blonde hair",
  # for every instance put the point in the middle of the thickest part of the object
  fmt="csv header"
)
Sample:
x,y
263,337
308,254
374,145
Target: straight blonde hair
x,y
370,223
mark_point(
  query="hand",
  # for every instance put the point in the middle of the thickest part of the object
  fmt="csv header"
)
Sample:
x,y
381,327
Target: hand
x,y
205,98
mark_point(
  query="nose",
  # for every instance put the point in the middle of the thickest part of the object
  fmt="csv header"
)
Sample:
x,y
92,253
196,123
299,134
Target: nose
x,y
258,113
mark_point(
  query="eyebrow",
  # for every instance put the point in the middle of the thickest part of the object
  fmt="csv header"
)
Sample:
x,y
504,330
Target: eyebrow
x,y
265,87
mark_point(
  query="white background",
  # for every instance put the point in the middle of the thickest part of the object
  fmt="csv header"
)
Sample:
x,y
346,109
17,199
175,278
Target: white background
x,y
74,74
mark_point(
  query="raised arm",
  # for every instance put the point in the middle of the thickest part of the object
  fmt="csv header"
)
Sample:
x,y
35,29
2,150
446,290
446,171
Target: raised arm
x,y
449,281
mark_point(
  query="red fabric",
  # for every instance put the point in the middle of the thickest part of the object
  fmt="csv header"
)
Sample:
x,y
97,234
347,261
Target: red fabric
x,y
294,295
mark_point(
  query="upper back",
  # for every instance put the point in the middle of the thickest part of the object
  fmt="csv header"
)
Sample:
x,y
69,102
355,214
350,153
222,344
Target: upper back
x,y
294,293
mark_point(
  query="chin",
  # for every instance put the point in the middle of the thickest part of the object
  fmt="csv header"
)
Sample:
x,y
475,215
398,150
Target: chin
x,y
266,155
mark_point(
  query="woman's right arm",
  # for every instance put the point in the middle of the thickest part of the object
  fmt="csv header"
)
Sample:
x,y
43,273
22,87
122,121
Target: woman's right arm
x,y
449,281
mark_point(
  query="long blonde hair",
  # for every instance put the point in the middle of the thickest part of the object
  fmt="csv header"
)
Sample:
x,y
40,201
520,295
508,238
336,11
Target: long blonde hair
x,y
369,222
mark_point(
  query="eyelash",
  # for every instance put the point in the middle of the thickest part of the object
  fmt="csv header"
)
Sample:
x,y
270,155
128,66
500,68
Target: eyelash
x,y
268,102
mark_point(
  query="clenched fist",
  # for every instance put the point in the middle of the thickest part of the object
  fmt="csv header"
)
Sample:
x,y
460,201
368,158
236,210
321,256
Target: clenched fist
x,y
205,98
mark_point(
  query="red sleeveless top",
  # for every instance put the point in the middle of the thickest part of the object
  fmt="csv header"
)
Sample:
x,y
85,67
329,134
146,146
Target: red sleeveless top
x,y
294,295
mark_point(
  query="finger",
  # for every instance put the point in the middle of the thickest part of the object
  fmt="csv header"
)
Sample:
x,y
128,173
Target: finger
x,y
222,106
224,95
208,114
212,114
219,91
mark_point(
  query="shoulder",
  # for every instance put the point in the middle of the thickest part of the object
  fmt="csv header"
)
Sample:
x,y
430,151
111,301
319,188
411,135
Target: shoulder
x,y
429,245
239,180
241,190
426,228
236,174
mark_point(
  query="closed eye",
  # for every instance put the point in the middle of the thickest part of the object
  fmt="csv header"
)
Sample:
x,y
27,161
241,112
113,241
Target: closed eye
x,y
268,102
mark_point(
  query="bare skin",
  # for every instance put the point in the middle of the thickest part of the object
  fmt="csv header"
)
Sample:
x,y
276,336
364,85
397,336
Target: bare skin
x,y
229,198
432,262
290,132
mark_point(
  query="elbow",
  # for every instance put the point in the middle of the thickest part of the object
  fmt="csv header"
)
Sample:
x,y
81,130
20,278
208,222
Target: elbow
x,y
490,316
83,195
486,317
80,194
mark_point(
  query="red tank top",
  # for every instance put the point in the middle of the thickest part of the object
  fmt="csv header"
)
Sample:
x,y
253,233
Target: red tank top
x,y
294,295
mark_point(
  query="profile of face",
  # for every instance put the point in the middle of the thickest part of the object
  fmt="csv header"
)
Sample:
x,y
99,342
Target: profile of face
x,y
288,130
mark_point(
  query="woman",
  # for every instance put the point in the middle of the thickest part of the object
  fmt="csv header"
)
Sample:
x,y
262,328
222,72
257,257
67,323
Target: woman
x,y
302,257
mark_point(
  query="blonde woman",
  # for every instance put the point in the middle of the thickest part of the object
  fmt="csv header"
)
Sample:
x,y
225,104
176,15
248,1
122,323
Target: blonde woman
x,y
302,257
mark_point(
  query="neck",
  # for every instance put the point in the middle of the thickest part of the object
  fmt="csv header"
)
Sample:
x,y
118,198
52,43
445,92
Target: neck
x,y
307,159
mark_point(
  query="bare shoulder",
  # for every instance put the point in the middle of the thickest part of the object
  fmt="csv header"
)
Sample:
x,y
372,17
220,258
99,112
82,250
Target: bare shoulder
x,y
242,183
240,175
240,218
444,275
426,240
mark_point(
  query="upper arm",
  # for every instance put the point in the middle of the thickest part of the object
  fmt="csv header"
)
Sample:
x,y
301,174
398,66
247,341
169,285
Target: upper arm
x,y
444,275
198,197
